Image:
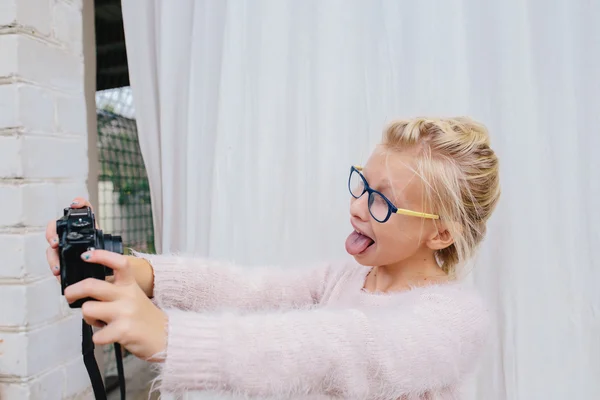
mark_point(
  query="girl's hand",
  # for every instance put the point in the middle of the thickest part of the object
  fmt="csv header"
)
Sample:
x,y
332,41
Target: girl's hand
x,y
52,238
123,310
142,269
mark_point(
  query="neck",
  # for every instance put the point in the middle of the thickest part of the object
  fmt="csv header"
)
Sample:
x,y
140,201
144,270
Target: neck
x,y
422,268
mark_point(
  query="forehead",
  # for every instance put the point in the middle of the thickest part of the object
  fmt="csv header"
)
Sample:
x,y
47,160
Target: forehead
x,y
393,172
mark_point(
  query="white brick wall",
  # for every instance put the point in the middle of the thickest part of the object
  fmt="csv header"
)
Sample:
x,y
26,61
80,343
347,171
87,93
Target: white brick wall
x,y
43,165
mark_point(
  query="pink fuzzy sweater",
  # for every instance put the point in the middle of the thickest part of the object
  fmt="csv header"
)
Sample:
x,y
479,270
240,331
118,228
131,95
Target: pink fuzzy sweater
x,y
312,333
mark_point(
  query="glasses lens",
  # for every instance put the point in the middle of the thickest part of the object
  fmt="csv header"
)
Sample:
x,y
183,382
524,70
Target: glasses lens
x,y
356,184
378,207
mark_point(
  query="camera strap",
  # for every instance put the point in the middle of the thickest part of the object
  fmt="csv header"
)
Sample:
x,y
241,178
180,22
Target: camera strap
x,y
87,350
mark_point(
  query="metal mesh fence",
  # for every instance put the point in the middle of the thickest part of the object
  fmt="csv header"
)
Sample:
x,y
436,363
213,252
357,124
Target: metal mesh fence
x,y
123,189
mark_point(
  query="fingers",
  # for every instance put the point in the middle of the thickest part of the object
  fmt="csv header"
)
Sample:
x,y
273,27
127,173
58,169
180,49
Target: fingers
x,y
94,288
97,313
117,262
51,236
107,335
97,323
53,260
80,202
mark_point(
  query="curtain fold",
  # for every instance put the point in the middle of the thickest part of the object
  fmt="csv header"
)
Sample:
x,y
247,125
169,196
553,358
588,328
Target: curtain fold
x,y
251,112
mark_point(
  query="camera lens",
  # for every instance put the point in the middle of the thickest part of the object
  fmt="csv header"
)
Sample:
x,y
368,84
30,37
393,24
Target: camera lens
x,y
113,243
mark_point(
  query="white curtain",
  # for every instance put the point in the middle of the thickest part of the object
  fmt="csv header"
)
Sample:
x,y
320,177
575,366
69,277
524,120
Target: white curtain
x,y
251,112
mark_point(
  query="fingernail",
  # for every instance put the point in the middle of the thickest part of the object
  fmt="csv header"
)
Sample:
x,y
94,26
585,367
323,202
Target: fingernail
x,y
56,267
85,256
55,240
75,203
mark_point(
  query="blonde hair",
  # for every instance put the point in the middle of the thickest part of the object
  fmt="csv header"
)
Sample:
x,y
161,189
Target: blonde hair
x,y
460,175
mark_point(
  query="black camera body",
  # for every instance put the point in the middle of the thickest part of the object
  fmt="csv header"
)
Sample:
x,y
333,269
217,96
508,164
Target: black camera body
x,y
77,234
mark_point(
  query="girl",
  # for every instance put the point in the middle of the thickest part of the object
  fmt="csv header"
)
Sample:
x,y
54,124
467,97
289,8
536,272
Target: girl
x,y
395,324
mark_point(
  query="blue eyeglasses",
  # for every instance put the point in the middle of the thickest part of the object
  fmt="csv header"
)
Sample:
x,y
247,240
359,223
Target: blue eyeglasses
x,y
380,207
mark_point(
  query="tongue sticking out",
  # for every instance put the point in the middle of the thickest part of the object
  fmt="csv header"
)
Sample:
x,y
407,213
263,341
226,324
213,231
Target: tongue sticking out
x,y
357,243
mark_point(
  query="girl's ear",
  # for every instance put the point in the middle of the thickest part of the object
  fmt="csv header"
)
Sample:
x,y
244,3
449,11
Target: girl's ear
x,y
442,239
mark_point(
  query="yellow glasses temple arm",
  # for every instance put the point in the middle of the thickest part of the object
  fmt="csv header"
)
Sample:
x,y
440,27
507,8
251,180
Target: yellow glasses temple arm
x,y
417,214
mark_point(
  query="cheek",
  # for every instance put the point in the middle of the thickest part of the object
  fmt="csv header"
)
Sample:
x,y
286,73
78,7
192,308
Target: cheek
x,y
398,237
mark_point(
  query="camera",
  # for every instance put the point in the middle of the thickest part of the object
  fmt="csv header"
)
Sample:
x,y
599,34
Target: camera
x,y
77,234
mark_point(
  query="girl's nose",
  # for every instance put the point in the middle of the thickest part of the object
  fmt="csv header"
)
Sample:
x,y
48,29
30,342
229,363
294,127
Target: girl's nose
x,y
359,208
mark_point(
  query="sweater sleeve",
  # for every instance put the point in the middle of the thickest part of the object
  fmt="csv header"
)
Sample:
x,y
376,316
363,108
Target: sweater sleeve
x,y
199,284
345,353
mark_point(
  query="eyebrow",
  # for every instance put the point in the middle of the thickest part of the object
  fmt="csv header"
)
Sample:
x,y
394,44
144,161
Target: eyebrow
x,y
381,186
385,188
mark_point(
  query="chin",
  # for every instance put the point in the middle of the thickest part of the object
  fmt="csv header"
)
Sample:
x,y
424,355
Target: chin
x,y
366,258
363,261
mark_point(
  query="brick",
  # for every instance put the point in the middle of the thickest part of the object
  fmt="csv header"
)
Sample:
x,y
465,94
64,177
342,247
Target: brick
x,y
36,212
13,304
14,390
31,13
71,114
10,154
14,353
76,378
8,62
12,248
58,342
8,11
35,264
54,158
40,62
36,109
69,381
48,385
9,106
17,102
24,305
43,301
59,69
23,256
68,27
11,212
